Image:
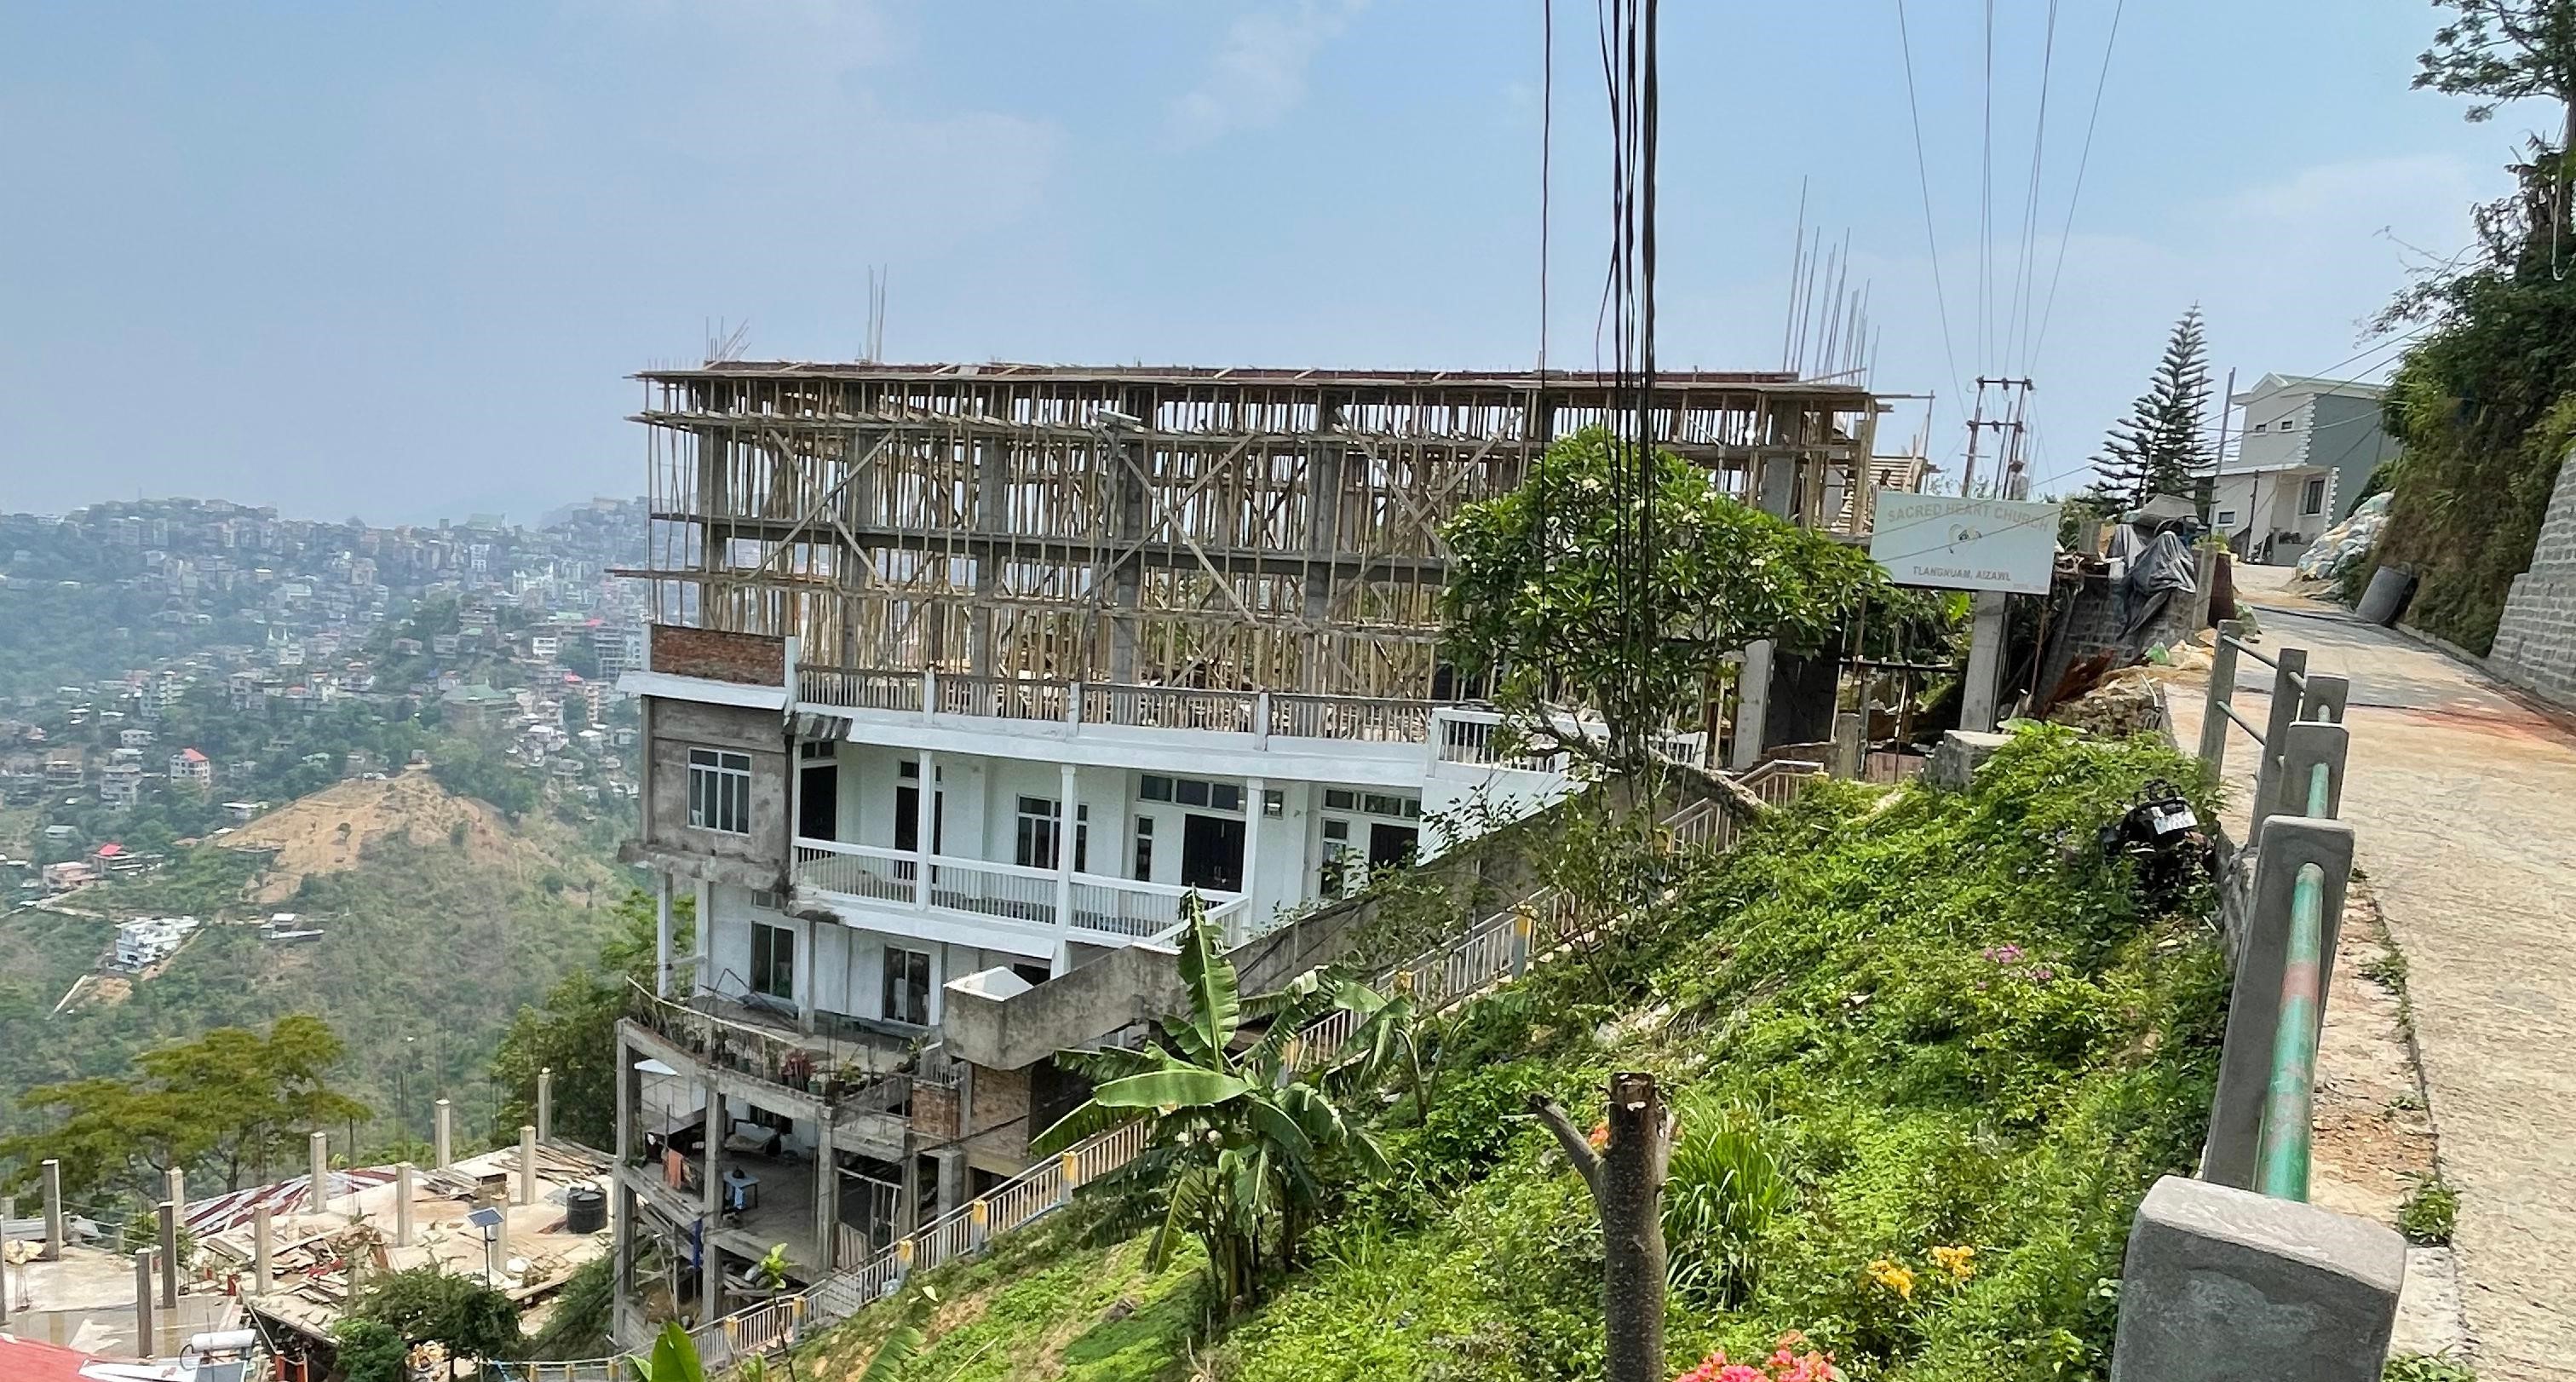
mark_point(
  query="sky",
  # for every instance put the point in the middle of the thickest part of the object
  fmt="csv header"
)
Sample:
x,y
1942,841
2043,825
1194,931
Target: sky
x,y
398,262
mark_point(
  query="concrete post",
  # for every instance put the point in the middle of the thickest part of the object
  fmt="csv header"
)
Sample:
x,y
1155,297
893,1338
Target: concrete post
x,y
146,1341
2224,1285
951,1162
8,1211
527,1163
827,1196
2214,723
2254,1005
925,828
1256,792
442,1135
402,1204
2284,713
2325,699
907,1204
2312,745
1982,690
262,1235
979,1225
662,934
53,1182
1849,755
168,1214
174,1185
1752,704
317,1191
711,1176
545,1103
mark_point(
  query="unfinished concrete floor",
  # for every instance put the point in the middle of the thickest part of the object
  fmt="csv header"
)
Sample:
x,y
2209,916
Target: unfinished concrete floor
x,y
2464,799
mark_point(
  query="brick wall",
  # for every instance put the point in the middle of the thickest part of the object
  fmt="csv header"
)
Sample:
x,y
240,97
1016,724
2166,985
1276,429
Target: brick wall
x,y
751,658
2535,642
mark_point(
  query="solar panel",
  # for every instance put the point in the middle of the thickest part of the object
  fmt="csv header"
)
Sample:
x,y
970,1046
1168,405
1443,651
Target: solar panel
x,y
484,1218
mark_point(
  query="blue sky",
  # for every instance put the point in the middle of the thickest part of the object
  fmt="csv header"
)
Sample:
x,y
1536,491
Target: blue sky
x,y
397,261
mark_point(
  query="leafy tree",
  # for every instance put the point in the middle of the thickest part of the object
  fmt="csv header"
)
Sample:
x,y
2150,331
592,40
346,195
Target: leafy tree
x,y
2159,448
227,1101
1242,1142
674,1358
574,1031
2507,50
426,1305
1536,597
369,1351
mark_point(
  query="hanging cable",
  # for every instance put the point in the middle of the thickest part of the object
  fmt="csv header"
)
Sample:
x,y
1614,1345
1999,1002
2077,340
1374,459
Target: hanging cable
x,y
1923,179
1986,207
2017,323
2083,161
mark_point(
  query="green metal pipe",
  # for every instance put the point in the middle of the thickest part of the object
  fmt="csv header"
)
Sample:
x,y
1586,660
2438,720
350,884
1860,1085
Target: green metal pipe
x,y
2317,791
2289,1104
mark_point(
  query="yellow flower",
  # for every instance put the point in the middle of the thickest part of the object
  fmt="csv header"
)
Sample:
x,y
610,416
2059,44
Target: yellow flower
x,y
1960,1262
1895,1276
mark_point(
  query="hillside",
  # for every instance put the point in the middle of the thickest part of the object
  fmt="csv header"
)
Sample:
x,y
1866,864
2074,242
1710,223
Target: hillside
x,y
1927,1054
440,917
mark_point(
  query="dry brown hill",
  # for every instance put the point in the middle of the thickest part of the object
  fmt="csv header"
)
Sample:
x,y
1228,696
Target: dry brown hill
x,y
327,831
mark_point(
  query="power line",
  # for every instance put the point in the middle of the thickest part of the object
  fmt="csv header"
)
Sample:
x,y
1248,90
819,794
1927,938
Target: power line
x,y
2017,321
1986,207
2083,161
1923,179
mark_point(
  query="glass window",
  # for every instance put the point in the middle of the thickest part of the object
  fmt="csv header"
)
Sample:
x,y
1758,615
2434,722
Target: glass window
x,y
1340,799
1189,791
2288,423
1144,849
1225,796
1274,802
720,791
1034,846
773,961
910,768
1337,830
2312,500
907,986
1153,788
2227,518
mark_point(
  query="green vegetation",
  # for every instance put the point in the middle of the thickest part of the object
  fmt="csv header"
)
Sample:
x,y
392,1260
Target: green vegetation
x,y
578,1326
2485,403
2157,448
573,1031
227,1103
461,1313
2427,1367
1927,1054
2432,1207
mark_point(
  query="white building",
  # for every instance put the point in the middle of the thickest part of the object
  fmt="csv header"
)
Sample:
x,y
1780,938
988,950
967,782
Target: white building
x,y
145,942
2308,448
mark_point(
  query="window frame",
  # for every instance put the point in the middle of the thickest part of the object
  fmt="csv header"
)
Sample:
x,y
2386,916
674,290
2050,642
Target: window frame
x,y
765,967
2312,498
894,972
719,791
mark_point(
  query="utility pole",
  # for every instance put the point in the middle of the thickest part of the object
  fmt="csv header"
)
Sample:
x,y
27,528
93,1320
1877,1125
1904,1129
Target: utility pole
x,y
2011,431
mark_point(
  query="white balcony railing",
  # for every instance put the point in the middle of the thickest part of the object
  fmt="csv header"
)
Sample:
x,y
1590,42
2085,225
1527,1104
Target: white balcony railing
x,y
1367,719
1104,906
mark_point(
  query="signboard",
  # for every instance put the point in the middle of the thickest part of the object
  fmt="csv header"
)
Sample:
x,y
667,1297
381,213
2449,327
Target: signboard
x,y
1965,544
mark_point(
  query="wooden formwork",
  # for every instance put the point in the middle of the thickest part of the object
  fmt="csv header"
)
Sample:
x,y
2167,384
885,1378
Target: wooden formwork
x,y
1241,529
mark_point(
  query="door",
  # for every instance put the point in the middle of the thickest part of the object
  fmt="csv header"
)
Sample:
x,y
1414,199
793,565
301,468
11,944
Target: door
x,y
1390,846
907,826
818,801
1212,853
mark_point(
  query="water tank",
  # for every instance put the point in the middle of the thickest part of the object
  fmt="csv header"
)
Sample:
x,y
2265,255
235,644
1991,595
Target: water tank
x,y
2386,597
585,1209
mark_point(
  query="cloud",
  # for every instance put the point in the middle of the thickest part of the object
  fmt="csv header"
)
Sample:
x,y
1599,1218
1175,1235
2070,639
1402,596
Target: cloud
x,y
1259,72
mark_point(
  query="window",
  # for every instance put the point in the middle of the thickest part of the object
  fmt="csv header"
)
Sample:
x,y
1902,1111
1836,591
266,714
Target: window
x,y
2262,427
1082,839
814,748
2288,423
1144,849
1274,803
908,768
1403,808
1340,799
773,961
907,986
1035,847
1191,791
2227,518
1153,788
720,791
2312,497
764,899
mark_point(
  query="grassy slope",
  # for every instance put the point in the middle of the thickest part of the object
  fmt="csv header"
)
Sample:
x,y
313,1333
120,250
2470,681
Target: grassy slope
x,y
1831,991
424,938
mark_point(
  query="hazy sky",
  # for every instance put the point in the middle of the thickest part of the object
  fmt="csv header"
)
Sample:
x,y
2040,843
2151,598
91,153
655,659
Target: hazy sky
x,y
397,261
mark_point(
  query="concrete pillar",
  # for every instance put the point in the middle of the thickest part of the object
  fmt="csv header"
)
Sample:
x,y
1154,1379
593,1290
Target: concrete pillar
x,y
1255,789
711,1176
442,1136
146,1340
621,1144
1850,754
2254,1003
701,974
1982,690
2224,1285
2286,699
621,1208
827,1196
2325,698
8,1211
951,1162
174,1185
545,1103
662,932
317,1192
925,827
168,1214
527,1163
53,1183
907,1203
1068,794
402,1204
1752,704
262,1235
2214,724
2312,746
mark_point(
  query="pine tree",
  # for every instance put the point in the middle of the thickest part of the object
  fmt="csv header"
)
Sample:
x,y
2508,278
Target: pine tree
x,y
2158,448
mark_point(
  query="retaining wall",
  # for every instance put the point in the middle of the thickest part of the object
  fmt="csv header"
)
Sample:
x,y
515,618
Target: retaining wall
x,y
2535,642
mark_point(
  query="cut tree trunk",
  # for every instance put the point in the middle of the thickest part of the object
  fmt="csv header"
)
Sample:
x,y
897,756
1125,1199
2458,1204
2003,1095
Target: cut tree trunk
x,y
1626,1178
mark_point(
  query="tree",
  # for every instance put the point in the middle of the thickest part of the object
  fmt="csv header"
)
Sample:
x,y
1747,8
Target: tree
x,y
461,1313
369,1352
2158,448
2506,50
574,1032
1240,1142
674,1358
1537,597
1626,1177
227,1101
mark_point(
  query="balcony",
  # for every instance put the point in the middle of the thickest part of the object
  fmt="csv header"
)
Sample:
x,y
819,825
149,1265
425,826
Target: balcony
x,y
1073,704
1032,903
864,1079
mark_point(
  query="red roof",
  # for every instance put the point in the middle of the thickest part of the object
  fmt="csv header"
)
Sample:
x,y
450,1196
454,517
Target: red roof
x,y
191,755
25,1360
110,849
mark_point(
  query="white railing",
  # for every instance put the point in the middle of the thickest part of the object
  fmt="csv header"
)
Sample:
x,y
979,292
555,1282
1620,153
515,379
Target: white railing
x,y
1006,698
1488,952
1368,719
1172,707
1376,720
984,888
859,688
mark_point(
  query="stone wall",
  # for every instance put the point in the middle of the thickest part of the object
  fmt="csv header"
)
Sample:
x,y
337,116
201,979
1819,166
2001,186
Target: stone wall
x,y
2535,642
750,658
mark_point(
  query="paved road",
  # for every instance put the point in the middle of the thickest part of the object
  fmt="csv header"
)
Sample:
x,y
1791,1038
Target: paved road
x,y
2464,799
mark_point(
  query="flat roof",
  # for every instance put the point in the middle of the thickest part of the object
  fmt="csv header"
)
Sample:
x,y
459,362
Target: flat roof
x,y
1186,375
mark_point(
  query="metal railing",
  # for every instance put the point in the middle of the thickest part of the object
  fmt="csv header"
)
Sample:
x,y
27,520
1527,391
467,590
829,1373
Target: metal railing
x,y
863,1075
1097,903
2262,1121
1495,948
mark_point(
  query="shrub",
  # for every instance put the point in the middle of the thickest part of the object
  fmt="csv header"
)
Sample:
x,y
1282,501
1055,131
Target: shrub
x,y
2430,1211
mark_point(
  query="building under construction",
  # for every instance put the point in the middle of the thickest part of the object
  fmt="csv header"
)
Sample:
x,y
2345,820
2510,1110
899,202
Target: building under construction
x,y
1224,528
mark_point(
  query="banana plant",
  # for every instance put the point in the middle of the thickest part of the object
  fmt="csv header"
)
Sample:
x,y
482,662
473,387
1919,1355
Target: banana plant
x,y
1244,1131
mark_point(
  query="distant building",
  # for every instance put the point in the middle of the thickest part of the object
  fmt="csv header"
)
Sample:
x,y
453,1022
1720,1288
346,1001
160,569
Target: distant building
x,y
476,707
2308,449
145,942
189,767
